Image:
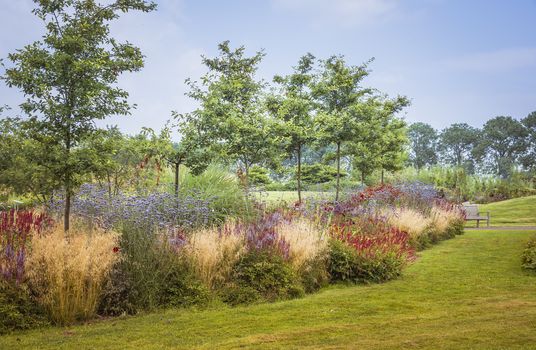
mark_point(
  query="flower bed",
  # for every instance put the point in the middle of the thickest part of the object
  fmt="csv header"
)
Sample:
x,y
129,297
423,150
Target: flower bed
x,y
165,254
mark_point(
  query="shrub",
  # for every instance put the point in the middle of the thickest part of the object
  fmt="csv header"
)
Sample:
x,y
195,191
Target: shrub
x,y
266,273
152,273
18,310
318,173
258,176
67,272
341,262
529,255
377,258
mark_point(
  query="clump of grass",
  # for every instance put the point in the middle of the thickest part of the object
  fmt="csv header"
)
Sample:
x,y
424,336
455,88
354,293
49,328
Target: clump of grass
x,y
213,252
306,241
67,271
227,197
410,221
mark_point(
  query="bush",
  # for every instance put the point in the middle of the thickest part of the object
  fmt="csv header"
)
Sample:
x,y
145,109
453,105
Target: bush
x,y
258,176
314,273
529,255
151,274
67,273
18,310
361,259
268,274
318,173
341,262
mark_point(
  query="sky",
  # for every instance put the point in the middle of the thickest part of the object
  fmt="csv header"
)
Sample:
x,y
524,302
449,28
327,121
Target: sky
x,y
459,61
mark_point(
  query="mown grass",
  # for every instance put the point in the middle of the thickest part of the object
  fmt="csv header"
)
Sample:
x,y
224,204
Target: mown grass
x,y
466,293
512,212
275,197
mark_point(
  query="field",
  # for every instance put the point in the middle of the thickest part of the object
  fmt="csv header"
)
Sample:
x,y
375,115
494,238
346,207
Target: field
x,y
466,293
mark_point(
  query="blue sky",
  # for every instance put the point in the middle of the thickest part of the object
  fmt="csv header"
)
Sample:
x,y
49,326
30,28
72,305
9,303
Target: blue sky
x,y
458,61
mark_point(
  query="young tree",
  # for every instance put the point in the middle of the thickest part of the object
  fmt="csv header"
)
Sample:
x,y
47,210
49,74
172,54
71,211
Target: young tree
x,y
293,108
423,141
231,112
383,144
69,80
341,117
191,151
393,140
456,144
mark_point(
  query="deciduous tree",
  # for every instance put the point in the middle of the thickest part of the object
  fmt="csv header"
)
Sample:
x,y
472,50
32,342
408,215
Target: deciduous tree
x,y
70,78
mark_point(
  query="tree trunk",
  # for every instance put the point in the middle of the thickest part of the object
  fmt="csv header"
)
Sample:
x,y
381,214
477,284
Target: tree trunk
x,y
382,176
177,166
362,178
298,174
338,171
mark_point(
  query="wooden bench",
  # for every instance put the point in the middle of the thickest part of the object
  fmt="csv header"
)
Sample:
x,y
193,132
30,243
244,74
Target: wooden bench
x,y
472,213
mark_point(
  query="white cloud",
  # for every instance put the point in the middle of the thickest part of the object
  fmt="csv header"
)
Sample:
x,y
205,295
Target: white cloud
x,y
346,13
503,60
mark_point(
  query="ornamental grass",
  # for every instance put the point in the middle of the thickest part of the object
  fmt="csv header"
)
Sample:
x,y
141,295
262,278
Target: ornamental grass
x,y
67,271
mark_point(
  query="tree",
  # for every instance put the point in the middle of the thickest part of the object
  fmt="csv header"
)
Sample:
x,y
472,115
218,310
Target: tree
x,y
69,80
502,144
19,173
456,144
191,151
342,117
231,112
423,145
528,159
293,108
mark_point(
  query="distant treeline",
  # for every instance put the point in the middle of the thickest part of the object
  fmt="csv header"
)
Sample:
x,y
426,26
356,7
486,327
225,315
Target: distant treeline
x,y
501,147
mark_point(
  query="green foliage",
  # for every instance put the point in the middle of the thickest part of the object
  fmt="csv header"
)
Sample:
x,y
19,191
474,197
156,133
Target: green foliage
x,y
341,261
314,274
293,109
231,113
266,274
69,79
258,176
228,198
18,310
528,159
460,185
528,257
456,144
347,265
423,139
501,145
150,275
319,173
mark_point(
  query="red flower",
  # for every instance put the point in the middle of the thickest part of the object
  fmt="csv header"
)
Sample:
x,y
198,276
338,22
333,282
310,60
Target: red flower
x,y
116,250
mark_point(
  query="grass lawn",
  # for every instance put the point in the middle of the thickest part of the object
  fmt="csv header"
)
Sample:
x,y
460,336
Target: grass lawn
x,y
292,196
466,293
512,212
